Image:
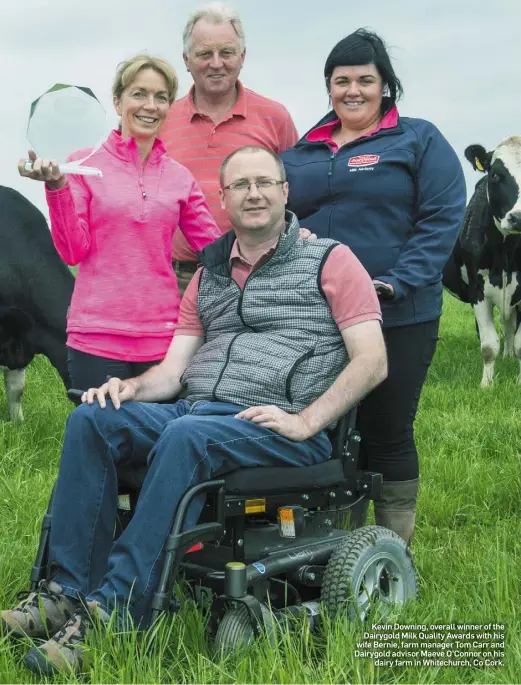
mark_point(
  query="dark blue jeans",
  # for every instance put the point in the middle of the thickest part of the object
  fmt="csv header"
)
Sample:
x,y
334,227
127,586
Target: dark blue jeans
x,y
182,445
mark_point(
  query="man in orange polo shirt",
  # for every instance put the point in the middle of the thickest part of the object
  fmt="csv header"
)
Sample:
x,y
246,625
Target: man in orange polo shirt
x,y
218,115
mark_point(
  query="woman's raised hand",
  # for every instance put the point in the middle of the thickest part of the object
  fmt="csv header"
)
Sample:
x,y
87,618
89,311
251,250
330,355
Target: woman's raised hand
x,y
42,170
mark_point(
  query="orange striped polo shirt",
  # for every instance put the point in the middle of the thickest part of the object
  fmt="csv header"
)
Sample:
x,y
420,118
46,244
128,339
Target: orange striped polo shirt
x,y
200,145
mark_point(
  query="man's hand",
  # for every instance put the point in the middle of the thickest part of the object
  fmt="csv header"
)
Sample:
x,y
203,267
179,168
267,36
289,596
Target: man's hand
x,y
305,234
291,426
119,391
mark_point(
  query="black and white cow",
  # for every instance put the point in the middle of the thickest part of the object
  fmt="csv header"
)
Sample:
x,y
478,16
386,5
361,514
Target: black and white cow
x,y
485,266
35,291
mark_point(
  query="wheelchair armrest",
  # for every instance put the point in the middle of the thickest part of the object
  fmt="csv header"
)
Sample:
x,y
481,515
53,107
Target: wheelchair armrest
x,y
202,532
339,436
75,395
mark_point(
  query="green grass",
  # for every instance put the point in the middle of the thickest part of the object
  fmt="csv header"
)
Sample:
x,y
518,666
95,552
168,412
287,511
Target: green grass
x,y
466,543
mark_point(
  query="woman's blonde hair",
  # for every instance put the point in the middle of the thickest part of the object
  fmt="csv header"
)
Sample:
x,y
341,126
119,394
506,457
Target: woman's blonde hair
x,y
127,72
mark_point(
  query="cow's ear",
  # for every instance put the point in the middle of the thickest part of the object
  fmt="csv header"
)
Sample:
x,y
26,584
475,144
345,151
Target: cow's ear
x,y
478,157
15,321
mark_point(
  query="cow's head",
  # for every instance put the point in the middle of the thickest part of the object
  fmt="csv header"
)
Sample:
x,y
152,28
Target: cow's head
x,y
16,349
503,166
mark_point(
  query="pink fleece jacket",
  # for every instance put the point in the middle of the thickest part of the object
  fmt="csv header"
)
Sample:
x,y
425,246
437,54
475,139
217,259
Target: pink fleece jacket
x,y
119,229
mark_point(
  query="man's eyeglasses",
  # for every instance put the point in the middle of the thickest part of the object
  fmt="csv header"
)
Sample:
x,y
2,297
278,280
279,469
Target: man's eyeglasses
x,y
261,184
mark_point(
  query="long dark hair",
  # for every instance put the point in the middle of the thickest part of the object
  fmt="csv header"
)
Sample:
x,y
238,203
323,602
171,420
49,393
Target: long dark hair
x,y
365,47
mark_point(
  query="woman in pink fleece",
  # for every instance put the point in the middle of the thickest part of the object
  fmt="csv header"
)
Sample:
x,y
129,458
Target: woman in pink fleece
x,y
119,229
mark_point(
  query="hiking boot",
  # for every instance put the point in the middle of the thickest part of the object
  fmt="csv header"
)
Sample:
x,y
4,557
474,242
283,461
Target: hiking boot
x,y
396,508
64,653
40,614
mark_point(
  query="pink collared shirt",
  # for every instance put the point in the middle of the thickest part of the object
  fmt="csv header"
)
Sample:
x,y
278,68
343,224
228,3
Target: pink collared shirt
x,y
323,133
196,142
348,289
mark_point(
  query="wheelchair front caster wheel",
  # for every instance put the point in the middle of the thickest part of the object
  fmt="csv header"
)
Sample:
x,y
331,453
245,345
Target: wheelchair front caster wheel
x,y
236,633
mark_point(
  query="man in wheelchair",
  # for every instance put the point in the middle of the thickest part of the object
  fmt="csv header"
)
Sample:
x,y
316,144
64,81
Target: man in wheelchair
x,y
266,329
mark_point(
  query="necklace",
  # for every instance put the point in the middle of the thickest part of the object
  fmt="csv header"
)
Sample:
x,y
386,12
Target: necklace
x,y
343,142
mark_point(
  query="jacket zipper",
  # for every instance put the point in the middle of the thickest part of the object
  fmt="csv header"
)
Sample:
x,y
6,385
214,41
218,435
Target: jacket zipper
x,y
143,196
239,302
329,182
332,158
214,396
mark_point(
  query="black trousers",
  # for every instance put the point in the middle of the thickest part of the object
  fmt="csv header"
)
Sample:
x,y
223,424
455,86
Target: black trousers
x,y
386,416
90,371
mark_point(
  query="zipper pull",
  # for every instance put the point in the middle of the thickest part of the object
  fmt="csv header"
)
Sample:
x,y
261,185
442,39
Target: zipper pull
x,y
144,194
330,172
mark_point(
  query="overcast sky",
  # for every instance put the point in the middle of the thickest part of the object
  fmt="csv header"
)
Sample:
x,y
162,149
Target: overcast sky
x,y
459,60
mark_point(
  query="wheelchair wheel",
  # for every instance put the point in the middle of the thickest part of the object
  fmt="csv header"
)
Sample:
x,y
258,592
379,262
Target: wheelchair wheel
x,y
369,574
235,632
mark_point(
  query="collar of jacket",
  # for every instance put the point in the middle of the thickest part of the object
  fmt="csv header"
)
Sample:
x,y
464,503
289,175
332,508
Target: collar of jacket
x,y
128,150
331,116
216,256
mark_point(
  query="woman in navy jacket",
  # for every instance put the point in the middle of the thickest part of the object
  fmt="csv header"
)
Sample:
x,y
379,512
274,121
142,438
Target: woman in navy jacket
x,y
392,189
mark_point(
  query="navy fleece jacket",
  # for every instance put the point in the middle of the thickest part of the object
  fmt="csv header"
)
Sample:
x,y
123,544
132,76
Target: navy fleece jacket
x,y
396,198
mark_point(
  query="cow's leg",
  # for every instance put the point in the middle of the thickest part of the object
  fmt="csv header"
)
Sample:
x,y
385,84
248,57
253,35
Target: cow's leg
x,y
489,338
517,342
509,331
14,388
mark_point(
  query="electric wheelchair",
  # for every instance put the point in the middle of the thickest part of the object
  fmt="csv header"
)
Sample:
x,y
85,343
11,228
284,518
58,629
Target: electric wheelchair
x,y
277,541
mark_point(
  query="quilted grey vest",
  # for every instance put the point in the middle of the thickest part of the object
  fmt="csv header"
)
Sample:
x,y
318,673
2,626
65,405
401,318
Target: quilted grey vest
x,y
275,342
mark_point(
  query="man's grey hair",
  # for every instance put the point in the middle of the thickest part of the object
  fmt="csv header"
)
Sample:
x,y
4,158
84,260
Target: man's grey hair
x,y
216,13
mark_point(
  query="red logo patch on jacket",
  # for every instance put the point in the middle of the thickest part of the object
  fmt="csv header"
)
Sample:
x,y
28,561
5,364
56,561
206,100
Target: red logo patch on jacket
x,y
363,160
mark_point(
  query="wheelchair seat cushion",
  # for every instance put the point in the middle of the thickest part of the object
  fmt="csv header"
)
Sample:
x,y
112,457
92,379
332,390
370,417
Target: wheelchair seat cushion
x,y
272,480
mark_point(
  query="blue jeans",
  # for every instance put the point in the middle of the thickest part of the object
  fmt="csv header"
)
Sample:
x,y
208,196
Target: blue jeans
x,y
181,445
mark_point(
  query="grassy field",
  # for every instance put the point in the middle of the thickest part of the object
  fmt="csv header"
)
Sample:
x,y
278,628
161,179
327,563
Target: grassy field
x,y
466,544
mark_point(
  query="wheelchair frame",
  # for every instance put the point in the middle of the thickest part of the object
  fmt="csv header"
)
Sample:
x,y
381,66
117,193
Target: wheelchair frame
x,y
244,560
